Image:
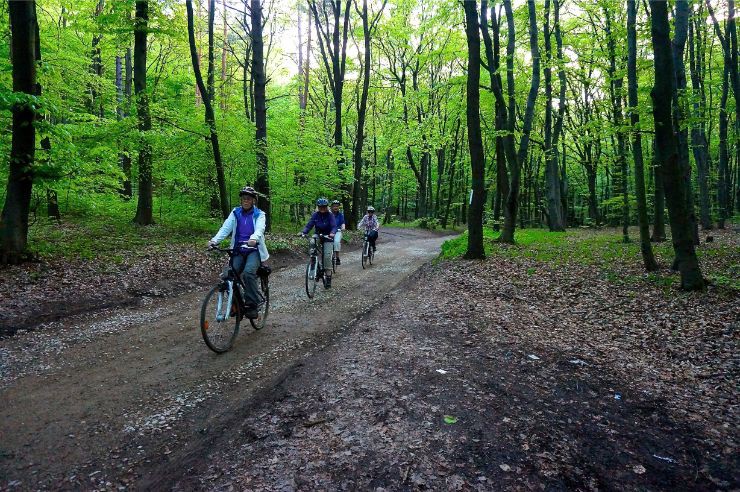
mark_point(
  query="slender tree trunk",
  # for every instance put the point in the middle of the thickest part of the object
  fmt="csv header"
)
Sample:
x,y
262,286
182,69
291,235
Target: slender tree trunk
x,y
648,258
475,140
144,207
14,218
679,106
361,113
552,175
615,89
663,95
126,154
208,93
723,167
389,169
262,183
699,144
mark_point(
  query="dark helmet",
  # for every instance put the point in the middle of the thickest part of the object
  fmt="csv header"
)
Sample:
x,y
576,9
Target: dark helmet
x,y
336,202
322,202
248,190
371,208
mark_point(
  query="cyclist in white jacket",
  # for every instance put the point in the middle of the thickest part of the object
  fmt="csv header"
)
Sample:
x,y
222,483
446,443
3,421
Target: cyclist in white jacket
x,y
246,225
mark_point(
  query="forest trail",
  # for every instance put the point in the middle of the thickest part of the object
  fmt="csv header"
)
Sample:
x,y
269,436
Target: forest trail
x,y
106,400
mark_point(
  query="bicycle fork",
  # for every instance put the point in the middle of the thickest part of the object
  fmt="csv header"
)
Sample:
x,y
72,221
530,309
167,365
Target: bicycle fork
x,y
223,315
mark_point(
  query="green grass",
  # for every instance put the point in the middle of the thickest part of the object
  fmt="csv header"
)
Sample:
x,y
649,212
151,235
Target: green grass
x,y
602,249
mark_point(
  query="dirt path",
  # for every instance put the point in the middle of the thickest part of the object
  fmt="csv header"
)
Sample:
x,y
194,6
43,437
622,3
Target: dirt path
x,y
116,398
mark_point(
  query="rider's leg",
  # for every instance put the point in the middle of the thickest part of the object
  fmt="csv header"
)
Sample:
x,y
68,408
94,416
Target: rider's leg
x,y
337,245
372,236
328,251
249,276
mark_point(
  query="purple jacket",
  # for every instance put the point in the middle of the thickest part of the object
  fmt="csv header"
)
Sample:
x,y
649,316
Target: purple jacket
x,y
324,223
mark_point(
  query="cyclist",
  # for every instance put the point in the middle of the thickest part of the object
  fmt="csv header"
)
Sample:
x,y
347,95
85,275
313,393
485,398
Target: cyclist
x,y
370,223
324,223
246,225
339,218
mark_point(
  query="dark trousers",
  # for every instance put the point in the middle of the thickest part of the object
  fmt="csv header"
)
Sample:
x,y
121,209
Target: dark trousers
x,y
371,237
246,266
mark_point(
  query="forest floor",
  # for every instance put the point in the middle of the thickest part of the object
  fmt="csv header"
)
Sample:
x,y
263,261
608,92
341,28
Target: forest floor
x,y
555,364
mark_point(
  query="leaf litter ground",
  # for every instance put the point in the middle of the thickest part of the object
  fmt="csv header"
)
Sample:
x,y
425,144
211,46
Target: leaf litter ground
x,y
510,373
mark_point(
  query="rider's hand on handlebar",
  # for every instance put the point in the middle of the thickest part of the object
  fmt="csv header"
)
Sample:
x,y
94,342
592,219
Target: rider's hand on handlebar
x,y
300,234
211,244
251,243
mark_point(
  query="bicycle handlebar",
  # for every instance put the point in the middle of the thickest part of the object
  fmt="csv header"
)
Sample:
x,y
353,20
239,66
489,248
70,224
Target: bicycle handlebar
x,y
231,250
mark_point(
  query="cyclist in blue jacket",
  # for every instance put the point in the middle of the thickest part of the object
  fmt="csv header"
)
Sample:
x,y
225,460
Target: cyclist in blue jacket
x,y
339,218
324,223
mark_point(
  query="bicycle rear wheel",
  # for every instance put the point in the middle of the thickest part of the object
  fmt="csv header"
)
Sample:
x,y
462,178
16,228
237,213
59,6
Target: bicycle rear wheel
x,y
218,328
311,269
264,306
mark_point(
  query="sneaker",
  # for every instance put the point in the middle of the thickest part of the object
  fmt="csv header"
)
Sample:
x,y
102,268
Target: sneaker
x,y
339,262
327,284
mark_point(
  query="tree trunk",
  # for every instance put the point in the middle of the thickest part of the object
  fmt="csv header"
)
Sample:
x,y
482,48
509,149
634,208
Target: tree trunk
x,y
208,93
723,167
334,56
615,91
681,115
512,201
144,207
552,172
648,258
658,235
699,144
663,95
262,183
475,140
361,113
126,154
14,218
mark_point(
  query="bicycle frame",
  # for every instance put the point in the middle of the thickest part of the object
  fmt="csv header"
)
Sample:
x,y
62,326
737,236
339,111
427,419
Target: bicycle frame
x,y
233,282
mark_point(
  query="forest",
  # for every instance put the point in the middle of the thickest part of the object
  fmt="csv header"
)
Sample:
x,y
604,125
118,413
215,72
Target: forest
x,y
554,299
162,110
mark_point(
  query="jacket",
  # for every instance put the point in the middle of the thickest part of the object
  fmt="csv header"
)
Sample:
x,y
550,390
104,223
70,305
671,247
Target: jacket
x,y
229,227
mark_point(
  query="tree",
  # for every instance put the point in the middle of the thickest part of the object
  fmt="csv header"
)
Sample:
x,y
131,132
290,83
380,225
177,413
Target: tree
x,y
475,140
262,183
615,92
334,56
552,175
209,93
642,219
664,97
14,219
368,27
512,201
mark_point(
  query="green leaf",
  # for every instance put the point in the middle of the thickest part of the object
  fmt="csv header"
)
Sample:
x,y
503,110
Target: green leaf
x,y
450,419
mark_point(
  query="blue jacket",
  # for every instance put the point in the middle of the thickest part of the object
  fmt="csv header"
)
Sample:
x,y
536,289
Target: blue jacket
x,y
339,218
324,223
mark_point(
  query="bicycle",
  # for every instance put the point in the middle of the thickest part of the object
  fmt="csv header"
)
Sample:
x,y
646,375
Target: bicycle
x,y
368,253
219,307
315,266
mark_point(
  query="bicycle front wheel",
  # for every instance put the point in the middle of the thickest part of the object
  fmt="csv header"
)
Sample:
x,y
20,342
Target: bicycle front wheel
x,y
219,328
311,268
264,306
